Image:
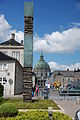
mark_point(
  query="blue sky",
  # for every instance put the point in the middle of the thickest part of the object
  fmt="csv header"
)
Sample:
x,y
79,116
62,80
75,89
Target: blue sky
x,y
56,29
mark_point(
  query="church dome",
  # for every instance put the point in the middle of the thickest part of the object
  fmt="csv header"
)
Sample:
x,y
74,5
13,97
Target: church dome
x,y
41,64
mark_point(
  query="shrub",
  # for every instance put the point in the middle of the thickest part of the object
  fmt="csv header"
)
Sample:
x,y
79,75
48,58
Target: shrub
x,y
1,90
39,104
1,99
60,116
8,109
38,115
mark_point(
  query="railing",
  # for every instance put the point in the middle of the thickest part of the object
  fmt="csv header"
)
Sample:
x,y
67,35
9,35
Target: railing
x,y
69,94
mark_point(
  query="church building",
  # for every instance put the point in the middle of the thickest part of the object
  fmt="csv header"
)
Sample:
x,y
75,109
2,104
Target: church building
x,y
42,71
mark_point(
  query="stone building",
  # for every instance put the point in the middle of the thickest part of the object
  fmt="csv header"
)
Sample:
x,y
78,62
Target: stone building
x,y
11,75
77,76
14,49
65,77
42,71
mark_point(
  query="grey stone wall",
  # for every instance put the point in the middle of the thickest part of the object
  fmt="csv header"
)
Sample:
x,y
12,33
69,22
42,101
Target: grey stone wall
x,y
27,84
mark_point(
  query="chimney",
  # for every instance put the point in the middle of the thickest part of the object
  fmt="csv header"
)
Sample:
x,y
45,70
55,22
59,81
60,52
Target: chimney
x,y
13,36
21,42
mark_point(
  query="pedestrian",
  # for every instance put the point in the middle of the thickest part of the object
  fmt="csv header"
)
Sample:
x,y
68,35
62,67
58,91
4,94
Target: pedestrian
x,y
37,90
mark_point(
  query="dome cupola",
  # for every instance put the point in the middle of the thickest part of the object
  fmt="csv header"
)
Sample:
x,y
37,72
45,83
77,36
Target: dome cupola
x,y
41,64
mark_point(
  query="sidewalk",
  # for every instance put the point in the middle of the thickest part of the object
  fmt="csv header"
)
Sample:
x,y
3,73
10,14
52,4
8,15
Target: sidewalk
x,y
68,106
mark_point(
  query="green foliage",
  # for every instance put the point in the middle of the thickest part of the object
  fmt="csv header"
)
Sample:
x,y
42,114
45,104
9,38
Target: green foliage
x,y
8,109
1,90
39,104
1,99
37,115
60,116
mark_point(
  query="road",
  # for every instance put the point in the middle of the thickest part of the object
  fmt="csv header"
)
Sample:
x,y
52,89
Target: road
x,y
69,104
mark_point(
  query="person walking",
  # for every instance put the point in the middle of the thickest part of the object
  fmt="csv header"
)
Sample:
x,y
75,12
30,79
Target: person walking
x,y
37,90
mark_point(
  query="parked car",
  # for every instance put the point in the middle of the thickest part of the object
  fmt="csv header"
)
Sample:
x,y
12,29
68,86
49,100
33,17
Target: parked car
x,y
77,115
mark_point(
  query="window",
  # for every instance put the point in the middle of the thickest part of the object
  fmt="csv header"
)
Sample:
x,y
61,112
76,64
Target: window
x,y
41,74
3,66
0,66
46,74
16,55
3,81
68,79
0,80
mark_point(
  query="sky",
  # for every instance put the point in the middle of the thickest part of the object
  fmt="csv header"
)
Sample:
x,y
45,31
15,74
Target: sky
x,y
56,29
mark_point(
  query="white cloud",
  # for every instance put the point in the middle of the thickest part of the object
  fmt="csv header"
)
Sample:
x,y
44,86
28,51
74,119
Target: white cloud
x,y
6,30
56,66
56,42
66,41
76,24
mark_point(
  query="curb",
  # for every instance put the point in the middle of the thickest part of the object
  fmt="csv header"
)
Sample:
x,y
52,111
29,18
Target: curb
x,y
25,110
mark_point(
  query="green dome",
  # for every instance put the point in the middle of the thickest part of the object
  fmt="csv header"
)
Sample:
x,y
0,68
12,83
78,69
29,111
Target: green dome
x,y
42,64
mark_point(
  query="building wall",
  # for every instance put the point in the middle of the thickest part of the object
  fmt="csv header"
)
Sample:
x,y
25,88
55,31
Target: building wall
x,y
42,76
13,73
77,77
10,49
18,78
66,77
8,73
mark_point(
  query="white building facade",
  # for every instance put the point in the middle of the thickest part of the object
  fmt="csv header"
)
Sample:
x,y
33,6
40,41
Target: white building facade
x,y
14,49
11,75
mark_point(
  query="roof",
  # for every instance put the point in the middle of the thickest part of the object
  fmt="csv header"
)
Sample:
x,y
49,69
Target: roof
x,y
65,73
11,42
41,64
4,57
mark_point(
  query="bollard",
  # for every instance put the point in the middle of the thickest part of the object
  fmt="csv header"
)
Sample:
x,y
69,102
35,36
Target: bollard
x,y
50,111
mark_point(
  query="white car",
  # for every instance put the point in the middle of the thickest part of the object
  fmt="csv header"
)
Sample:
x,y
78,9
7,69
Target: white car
x,y
77,115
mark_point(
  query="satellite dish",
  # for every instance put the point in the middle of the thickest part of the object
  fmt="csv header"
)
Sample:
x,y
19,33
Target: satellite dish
x,y
10,81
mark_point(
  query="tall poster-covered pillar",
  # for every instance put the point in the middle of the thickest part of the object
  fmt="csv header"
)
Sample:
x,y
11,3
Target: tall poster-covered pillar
x,y
28,51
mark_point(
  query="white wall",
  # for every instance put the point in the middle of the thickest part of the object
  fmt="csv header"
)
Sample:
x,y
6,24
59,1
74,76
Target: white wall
x,y
8,74
9,49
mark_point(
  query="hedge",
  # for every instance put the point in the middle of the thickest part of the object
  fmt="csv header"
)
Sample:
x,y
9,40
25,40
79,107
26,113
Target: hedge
x,y
38,115
8,109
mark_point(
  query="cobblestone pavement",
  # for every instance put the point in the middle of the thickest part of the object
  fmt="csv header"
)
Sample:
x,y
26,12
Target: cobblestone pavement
x,y
69,104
